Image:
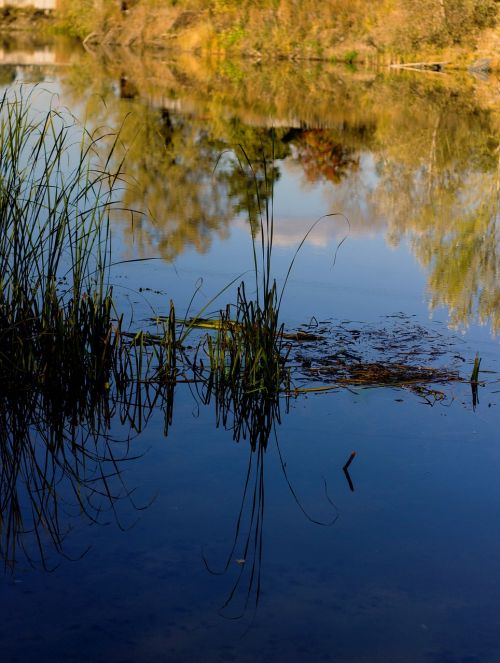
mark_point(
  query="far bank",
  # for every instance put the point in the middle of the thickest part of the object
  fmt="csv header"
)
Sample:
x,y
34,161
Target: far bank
x,y
451,33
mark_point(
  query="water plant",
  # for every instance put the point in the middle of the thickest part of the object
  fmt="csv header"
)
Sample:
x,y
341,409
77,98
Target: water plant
x,y
55,301
58,336
246,353
474,381
350,57
67,366
474,378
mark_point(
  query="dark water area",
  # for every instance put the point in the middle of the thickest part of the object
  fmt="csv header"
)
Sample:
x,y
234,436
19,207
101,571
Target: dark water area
x,y
410,561
194,546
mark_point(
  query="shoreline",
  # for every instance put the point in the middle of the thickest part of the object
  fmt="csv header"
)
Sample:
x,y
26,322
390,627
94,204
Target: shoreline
x,y
286,31
181,34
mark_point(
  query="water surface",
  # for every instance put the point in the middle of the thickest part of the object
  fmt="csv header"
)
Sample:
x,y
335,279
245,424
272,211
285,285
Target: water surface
x,y
403,567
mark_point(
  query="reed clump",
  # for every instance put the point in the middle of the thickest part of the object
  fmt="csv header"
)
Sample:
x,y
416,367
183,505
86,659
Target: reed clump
x,y
56,305
67,367
245,349
246,370
59,334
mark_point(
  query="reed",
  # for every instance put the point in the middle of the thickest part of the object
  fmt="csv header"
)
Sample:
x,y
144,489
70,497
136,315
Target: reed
x,y
245,355
63,370
474,378
67,365
56,305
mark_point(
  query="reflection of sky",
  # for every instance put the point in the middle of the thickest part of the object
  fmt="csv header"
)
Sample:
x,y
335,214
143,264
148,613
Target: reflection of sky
x,y
298,204
368,280
415,549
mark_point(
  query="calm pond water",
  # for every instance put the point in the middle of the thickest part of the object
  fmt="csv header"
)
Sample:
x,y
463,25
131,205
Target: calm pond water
x,y
203,549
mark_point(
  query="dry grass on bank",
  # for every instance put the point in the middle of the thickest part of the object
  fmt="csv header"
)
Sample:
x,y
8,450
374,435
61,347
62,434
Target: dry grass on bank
x,y
333,29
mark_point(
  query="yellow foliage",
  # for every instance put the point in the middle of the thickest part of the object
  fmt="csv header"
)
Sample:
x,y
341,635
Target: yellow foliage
x,y
326,29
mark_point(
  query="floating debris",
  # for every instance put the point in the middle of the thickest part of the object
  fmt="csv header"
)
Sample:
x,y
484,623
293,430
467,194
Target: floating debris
x,y
396,353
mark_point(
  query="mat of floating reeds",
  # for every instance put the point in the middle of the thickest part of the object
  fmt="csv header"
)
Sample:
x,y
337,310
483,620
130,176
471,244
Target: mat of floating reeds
x,y
378,373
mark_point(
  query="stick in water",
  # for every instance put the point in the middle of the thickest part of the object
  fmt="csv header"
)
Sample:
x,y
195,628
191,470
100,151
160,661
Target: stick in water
x,y
349,461
346,472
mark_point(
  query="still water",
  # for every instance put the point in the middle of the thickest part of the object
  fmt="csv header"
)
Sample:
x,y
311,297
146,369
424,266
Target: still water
x,y
202,548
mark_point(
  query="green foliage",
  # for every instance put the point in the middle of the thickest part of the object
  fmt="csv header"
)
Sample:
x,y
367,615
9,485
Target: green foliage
x,y
350,57
78,18
232,37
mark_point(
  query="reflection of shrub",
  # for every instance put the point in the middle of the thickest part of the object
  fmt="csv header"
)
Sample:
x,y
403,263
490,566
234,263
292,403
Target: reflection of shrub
x,y
323,157
7,74
350,57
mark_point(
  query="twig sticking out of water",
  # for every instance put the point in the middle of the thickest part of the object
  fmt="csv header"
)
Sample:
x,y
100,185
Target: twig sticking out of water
x,y
474,381
349,461
346,470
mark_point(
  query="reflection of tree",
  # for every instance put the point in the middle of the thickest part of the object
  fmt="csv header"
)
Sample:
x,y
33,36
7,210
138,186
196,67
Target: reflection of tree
x,y
442,192
252,170
191,178
199,198
177,181
432,144
464,264
323,157
170,165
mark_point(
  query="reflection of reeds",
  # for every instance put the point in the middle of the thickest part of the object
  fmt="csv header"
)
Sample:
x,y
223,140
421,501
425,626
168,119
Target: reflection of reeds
x,y
246,549
247,541
52,470
474,381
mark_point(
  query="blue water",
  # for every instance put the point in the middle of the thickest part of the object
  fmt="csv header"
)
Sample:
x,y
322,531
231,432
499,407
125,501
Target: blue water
x,y
408,571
